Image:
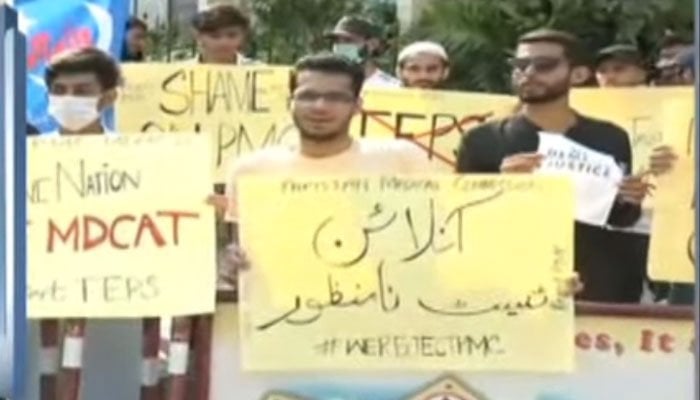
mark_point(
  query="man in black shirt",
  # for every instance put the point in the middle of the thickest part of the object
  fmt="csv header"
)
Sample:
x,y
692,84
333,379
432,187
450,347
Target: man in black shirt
x,y
544,69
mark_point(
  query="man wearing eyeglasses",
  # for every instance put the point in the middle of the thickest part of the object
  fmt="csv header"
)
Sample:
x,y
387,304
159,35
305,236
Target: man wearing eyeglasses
x,y
325,97
545,67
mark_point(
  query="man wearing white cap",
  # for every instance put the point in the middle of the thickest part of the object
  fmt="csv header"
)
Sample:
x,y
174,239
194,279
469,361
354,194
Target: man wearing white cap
x,y
423,65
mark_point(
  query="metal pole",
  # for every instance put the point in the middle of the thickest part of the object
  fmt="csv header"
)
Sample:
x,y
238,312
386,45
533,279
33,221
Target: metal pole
x,y
169,36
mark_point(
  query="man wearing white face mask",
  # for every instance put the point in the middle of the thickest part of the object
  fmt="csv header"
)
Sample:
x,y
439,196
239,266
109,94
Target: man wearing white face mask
x,y
361,41
82,84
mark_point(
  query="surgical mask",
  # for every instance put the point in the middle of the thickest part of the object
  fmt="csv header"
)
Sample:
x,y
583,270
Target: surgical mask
x,y
74,113
354,52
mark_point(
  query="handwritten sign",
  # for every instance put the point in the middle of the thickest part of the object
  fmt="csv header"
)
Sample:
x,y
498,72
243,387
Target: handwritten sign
x,y
656,353
392,272
672,247
636,110
595,175
434,120
243,108
118,226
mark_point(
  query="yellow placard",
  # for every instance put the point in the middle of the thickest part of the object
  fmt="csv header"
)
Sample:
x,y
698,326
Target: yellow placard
x,y
672,246
636,110
398,272
118,226
434,120
243,108
609,349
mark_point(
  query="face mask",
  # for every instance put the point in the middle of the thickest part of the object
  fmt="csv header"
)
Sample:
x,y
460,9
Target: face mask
x,y
351,51
74,113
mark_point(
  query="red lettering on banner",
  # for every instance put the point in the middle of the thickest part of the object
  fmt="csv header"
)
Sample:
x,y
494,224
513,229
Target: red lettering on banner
x,y
96,232
63,236
666,343
583,341
40,49
603,342
647,344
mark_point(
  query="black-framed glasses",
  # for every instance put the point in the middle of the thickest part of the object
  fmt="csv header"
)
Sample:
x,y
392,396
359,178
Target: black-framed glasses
x,y
540,65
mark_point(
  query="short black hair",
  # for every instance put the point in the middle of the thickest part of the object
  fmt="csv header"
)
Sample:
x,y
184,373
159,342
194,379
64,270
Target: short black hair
x,y
219,17
134,22
85,60
332,64
572,46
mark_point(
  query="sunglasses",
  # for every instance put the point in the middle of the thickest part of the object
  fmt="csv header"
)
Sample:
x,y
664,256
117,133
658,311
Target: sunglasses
x,y
540,65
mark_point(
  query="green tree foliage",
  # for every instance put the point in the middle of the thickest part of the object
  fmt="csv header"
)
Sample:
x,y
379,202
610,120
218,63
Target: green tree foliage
x,y
479,34
285,30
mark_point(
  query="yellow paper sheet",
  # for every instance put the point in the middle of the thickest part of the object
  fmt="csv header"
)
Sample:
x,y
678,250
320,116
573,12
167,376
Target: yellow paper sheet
x,y
392,272
243,108
672,247
638,111
434,120
118,226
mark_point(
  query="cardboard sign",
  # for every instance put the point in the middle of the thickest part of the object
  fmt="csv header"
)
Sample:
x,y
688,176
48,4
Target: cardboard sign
x,y
119,227
672,247
398,272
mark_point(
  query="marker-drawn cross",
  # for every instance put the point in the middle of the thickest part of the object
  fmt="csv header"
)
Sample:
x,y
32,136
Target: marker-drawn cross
x,y
433,134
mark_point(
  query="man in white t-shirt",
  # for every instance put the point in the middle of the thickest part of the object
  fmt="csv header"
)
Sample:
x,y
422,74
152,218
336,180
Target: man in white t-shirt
x,y
325,97
360,40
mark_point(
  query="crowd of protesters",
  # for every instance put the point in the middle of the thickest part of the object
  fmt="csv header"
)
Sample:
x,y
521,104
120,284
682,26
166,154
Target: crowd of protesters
x,y
611,263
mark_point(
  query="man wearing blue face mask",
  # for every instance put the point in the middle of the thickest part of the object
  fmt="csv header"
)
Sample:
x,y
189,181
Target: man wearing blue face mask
x,y
361,41
82,84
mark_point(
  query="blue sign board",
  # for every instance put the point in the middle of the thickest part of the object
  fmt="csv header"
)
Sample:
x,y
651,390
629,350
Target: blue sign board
x,y
54,26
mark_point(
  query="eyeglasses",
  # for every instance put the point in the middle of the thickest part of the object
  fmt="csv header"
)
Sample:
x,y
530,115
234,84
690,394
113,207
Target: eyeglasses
x,y
540,65
330,97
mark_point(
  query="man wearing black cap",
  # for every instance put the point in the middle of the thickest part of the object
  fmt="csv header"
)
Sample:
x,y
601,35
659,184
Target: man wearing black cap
x,y
620,65
672,45
361,41
680,70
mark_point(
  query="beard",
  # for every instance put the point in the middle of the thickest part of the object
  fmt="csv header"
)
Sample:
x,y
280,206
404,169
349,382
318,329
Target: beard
x,y
320,137
425,84
543,93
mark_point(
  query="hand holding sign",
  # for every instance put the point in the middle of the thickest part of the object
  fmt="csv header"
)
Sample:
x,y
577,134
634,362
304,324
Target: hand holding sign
x,y
662,160
234,260
633,189
521,163
597,177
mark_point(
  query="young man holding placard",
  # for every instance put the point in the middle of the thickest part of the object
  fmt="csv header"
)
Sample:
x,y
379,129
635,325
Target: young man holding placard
x,y
82,84
545,67
325,97
221,32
